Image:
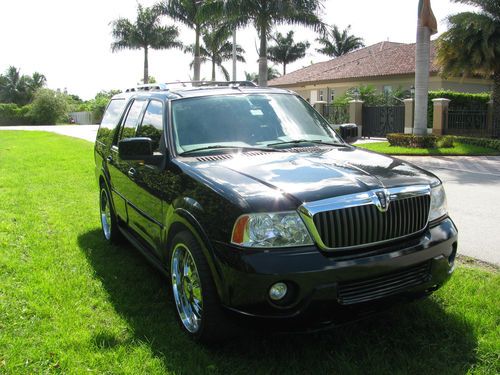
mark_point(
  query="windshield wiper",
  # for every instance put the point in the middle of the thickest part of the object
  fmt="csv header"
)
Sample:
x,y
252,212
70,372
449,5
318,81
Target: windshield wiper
x,y
213,147
315,141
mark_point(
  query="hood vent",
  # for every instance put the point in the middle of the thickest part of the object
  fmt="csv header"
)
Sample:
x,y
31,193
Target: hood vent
x,y
306,149
230,156
257,153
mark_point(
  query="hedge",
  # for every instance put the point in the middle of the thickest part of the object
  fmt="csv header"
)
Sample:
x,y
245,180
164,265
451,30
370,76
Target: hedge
x,y
484,142
432,141
12,114
411,140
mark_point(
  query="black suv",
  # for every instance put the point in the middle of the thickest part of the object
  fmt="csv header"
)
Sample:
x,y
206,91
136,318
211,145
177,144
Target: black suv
x,y
253,206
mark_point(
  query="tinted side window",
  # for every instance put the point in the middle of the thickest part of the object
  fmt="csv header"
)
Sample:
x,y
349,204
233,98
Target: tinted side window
x,y
152,124
128,128
110,120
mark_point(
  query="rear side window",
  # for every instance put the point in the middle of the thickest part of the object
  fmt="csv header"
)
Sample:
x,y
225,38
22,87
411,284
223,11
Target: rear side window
x,y
110,120
130,124
152,124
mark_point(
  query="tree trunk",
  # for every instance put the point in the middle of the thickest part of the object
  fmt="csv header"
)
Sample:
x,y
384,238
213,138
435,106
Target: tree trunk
x,y
422,62
196,65
145,80
284,68
263,57
213,69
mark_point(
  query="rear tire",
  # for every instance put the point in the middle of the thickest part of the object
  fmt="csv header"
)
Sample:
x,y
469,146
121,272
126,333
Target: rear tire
x,y
109,224
194,294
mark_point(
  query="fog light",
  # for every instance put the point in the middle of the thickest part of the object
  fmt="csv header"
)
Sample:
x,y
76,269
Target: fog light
x,y
278,291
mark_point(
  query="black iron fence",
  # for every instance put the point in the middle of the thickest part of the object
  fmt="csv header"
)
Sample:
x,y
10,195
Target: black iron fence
x,y
468,123
378,121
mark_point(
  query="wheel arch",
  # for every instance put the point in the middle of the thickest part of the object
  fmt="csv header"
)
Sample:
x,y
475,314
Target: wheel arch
x,y
184,220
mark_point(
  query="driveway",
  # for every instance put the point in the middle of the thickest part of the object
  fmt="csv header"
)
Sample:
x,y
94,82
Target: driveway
x,y
472,185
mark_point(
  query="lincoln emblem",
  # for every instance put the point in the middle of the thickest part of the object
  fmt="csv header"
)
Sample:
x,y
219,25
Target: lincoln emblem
x,y
383,201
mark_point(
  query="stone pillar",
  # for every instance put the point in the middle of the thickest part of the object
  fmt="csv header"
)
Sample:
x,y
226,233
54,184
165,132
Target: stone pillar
x,y
356,114
409,115
440,117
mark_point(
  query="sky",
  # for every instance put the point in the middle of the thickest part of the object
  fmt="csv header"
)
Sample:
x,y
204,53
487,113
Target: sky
x,y
69,40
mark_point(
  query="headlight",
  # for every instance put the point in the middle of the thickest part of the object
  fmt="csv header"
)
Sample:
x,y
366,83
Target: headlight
x,y
438,203
270,230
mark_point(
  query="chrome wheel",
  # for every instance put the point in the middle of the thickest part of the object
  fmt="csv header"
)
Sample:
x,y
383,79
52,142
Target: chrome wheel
x,y
186,288
105,214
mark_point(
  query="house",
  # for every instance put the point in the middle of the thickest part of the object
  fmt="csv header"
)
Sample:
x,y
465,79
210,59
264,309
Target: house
x,y
387,66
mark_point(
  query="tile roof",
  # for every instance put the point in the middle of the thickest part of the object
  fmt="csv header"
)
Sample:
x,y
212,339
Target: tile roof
x,y
381,59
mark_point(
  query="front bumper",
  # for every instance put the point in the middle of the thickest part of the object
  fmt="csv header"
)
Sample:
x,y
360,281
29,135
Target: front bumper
x,y
318,281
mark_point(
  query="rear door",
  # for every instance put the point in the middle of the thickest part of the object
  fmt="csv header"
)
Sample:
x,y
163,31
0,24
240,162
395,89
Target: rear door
x,y
121,170
145,204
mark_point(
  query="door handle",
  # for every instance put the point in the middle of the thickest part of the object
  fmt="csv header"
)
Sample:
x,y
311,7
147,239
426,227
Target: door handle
x,y
109,159
131,173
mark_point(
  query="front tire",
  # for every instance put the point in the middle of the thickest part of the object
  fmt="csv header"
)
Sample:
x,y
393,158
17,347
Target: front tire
x,y
194,295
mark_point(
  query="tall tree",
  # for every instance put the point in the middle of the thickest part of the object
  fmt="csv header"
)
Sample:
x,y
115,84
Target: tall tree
x,y
19,88
471,46
145,33
286,51
264,14
217,48
426,26
336,43
192,14
272,73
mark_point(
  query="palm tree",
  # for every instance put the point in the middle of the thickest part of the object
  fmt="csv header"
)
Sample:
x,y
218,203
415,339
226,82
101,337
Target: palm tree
x,y
17,88
146,33
272,73
217,48
471,46
264,14
336,43
426,26
286,51
192,14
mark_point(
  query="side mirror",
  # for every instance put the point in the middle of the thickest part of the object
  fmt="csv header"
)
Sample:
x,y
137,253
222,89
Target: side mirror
x,y
138,149
349,132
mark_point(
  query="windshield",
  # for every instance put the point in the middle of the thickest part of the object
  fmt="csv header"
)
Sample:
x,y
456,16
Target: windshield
x,y
255,120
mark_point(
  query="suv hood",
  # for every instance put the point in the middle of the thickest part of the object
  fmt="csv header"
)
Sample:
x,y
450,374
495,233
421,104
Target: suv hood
x,y
308,176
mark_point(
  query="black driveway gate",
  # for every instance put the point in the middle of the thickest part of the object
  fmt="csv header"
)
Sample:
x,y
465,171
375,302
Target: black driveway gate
x,y
380,120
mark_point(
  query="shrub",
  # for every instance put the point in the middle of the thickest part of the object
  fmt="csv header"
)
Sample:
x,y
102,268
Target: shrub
x,y
446,142
411,140
12,114
48,107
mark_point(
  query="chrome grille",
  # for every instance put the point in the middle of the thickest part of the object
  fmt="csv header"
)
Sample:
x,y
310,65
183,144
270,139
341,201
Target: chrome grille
x,y
364,224
383,286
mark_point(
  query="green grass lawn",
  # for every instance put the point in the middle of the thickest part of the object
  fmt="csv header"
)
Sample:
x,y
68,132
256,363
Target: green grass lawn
x,y
458,149
72,304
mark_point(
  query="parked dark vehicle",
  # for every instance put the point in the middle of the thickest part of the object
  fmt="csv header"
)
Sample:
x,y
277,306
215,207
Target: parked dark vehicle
x,y
254,207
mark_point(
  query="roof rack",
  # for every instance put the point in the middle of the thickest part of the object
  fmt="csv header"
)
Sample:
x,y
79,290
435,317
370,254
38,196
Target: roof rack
x,y
168,85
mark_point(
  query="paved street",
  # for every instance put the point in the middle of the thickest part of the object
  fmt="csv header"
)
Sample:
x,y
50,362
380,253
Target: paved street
x,y
472,186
